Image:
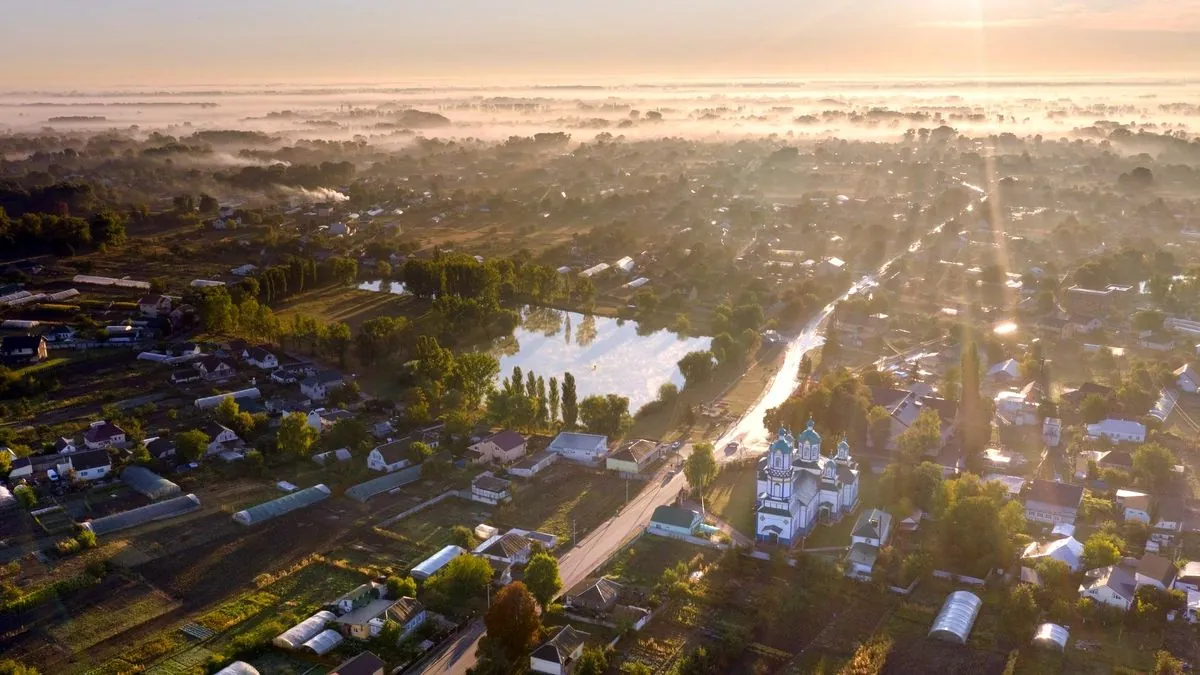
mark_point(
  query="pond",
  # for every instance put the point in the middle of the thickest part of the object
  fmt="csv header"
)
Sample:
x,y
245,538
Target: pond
x,y
378,286
605,355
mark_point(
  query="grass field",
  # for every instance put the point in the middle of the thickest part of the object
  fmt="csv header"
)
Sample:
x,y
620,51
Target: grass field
x,y
130,606
564,496
731,496
642,563
429,529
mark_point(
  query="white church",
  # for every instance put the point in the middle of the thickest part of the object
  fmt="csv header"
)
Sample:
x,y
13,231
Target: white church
x,y
798,487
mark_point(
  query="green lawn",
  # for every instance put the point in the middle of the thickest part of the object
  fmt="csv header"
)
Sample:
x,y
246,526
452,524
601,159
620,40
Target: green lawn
x,y
564,496
732,494
642,563
430,528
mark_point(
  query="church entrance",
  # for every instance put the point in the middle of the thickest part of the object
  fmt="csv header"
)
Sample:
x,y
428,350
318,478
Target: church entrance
x,y
826,513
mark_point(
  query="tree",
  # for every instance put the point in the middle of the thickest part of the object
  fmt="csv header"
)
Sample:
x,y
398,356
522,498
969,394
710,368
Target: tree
x,y
921,438
553,400
1093,409
462,579
419,451
26,497
475,377
1154,466
512,621
107,229
295,437
401,587
697,368
350,433
1020,613
541,576
973,539
606,415
700,468
337,341
974,424
570,408
869,658
11,667
191,445
635,668
1101,550
1164,664
879,427
593,661
461,535
227,411
1148,320
208,204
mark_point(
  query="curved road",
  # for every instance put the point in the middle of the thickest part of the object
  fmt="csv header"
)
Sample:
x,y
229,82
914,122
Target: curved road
x,y
591,551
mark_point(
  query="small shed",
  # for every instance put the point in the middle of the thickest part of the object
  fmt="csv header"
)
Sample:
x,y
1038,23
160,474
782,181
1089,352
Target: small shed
x,y
1051,635
153,486
954,622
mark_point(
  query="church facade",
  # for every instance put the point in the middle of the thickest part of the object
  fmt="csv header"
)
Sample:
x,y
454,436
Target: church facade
x,y
799,488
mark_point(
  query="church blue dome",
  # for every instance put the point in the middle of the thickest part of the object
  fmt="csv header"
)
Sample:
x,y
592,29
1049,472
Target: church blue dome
x,y
809,436
782,442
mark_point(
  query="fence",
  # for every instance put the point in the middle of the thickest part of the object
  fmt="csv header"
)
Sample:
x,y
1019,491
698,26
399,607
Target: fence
x,y
689,539
423,505
960,578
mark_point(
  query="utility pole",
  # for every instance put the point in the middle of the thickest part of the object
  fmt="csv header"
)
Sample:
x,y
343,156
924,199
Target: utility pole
x,y
573,540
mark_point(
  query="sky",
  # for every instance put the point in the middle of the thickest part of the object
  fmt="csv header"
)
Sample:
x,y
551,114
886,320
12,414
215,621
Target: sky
x,y
54,44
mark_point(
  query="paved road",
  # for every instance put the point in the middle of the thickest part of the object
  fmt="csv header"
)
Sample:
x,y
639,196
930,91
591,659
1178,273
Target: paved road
x,y
750,431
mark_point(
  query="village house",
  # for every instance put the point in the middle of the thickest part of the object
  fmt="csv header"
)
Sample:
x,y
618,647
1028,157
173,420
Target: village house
x,y
1155,570
489,489
1114,586
597,595
219,436
1075,397
321,419
1171,514
1003,374
391,456
633,457
359,597
1052,502
1118,431
1135,507
90,465
586,449
557,656
364,663
510,547
502,447
23,349
154,305
1068,550
366,621
869,535
214,368
1188,578
261,358
672,521
317,387
160,448
65,446
100,435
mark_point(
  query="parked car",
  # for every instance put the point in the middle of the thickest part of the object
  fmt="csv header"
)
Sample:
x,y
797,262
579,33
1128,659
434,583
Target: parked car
x,y
732,448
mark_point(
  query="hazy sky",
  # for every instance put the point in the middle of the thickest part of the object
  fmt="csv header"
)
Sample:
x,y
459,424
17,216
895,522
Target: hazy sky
x,y
87,43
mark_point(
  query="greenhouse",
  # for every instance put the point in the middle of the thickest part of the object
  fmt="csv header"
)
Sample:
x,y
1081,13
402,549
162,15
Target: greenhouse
x,y
150,484
377,486
954,622
296,636
1051,635
429,566
285,504
324,642
144,514
238,668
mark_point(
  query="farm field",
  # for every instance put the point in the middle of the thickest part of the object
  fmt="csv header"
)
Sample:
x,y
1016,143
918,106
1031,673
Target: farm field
x,y
429,529
563,497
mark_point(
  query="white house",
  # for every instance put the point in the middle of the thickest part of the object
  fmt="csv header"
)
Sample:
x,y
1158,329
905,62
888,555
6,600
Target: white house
x,y
869,535
318,386
1118,431
1004,372
1068,550
219,435
154,305
214,368
557,656
1171,514
583,448
1113,585
90,465
261,358
1187,378
100,435
532,465
504,447
391,456
1188,578
510,548
1136,506
1155,570
320,420
489,489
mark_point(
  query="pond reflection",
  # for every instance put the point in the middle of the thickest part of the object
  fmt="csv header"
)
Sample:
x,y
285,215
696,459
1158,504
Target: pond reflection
x,y
605,355
383,286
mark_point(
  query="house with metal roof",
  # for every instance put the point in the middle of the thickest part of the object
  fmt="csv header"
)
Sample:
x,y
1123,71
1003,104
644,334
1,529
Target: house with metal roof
x,y
956,618
1068,550
489,489
1052,502
870,533
503,447
510,547
1114,585
597,595
102,434
364,663
557,656
632,457
672,521
532,465
588,449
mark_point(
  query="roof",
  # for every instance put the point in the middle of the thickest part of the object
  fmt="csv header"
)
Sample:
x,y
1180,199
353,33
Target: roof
x,y
429,566
530,461
1189,371
809,436
490,483
504,546
1068,549
872,524
1158,568
1115,426
863,554
569,440
148,483
1051,635
888,398
304,631
160,446
89,459
258,354
102,431
394,452
559,648
364,613
169,508
365,663
285,504
599,591
214,429
674,517
957,616
404,610
1121,458
1190,571
16,342
238,668
1058,494
377,486
1010,368
324,642
635,451
1115,577
323,377
506,440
